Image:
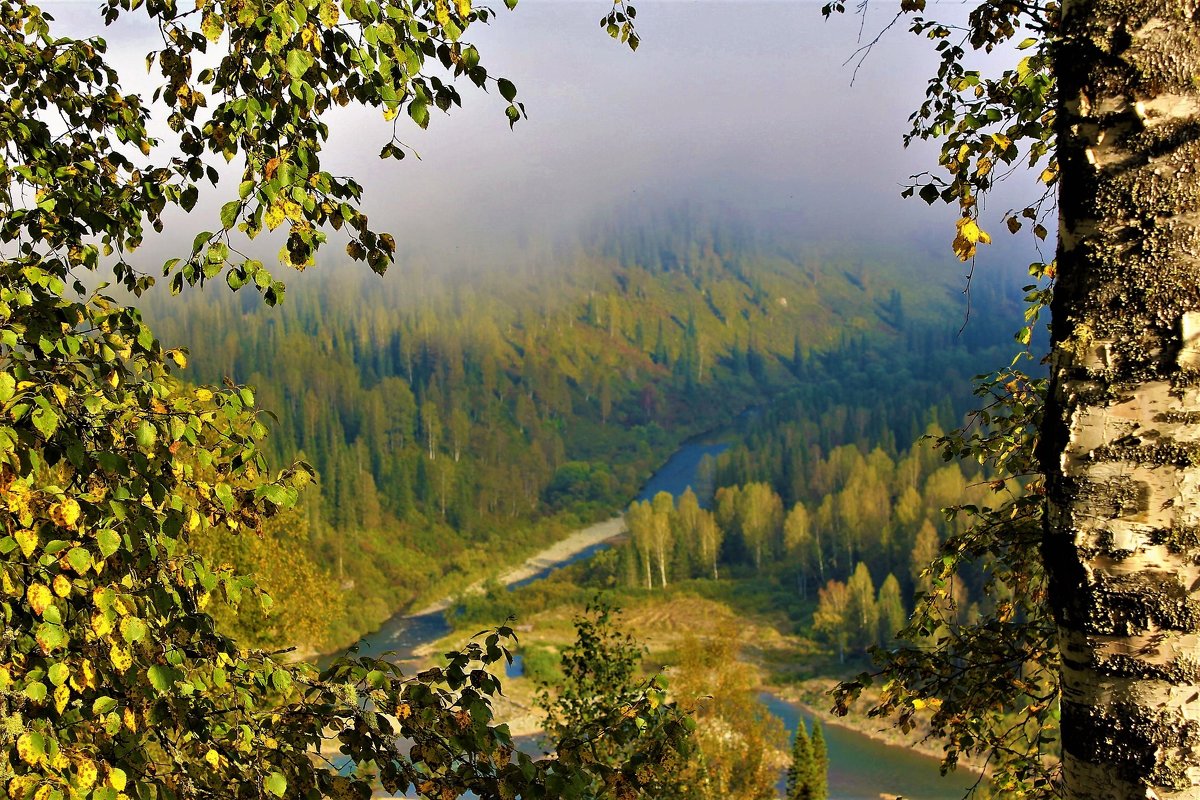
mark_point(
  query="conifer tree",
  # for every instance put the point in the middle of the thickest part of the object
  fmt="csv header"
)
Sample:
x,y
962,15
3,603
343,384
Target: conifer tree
x,y
820,758
801,772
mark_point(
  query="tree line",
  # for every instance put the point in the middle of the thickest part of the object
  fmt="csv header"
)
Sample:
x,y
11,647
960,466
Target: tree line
x,y
458,413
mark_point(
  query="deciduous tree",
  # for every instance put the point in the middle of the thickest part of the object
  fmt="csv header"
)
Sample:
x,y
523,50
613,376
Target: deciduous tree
x,y
1107,106
114,680
1118,441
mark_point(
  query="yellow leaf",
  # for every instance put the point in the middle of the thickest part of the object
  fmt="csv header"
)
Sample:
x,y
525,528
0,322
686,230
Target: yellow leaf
x,y
179,357
120,657
62,696
213,758
968,229
116,778
274,217
292,210
19,786
211,27
30,747
62,586
102,623
130,720
39,597
464,7
65,513
43,793
204,395
27,539
441,12
86,772
328,13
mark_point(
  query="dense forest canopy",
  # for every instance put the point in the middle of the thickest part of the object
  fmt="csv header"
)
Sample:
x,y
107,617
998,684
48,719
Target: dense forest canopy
x,y
121,483
446,415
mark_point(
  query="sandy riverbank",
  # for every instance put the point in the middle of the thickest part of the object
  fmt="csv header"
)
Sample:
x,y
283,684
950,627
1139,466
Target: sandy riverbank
x,y
812,696
555,555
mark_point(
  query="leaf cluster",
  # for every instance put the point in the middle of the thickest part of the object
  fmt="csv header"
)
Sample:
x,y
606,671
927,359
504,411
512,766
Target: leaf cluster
x,y
115,680
988,125
592,715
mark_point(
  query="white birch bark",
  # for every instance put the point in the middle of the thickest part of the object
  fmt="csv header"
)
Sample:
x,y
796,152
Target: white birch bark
x,y
1121,439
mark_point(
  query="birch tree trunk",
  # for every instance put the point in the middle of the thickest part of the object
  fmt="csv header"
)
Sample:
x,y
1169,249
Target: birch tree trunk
x,y
1121,438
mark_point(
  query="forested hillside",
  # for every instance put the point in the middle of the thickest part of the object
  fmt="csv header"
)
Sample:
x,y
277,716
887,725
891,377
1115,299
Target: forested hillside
x,y
453,413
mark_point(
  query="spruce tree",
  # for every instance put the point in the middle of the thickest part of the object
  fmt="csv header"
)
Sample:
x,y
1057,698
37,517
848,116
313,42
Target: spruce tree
x,y
802,770
820,759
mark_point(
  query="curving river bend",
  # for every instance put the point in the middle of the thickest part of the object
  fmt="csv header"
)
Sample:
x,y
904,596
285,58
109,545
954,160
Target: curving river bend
x,y
860,768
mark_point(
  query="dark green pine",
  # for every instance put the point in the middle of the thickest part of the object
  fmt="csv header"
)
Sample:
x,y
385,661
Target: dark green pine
x,y
800,773
820,783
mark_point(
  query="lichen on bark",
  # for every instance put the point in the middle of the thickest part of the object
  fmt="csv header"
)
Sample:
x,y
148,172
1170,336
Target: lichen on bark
x,y
1121,439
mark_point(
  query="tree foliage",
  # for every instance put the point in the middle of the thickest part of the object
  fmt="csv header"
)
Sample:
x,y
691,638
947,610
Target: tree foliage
x,y
738,745
115,680
589,713
987,684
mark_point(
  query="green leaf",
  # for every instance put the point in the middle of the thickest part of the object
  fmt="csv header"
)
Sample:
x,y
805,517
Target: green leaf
x,y
201,239
507,90
225,495
281,680
276,784
145,434
229,213
102,705
79,559
298,63
50,636
8,387
45,419
109,542
160,676
419,112
133,629
58,673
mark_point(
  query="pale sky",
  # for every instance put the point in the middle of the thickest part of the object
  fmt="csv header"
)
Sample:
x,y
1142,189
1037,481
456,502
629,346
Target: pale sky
x,y
746,103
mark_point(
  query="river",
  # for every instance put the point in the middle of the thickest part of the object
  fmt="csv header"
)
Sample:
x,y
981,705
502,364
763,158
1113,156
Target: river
x,y
860,768
406,632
